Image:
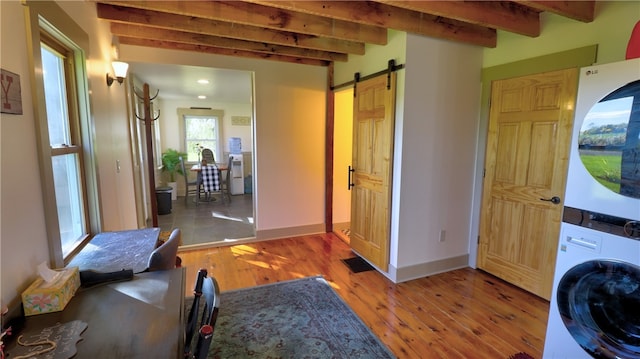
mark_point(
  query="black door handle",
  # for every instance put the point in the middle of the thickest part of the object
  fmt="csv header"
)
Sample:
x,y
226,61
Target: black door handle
x,y
554,199
349,185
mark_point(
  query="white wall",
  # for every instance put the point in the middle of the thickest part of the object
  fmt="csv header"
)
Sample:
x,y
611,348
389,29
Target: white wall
x,y
611,29
23,239
170,123
289,136
442,101
437,102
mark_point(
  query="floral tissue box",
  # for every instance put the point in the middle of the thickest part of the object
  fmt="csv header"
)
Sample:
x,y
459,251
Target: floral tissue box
x,y
42,297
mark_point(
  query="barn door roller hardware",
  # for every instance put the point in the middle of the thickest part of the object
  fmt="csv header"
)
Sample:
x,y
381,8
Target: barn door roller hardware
x,y
391,67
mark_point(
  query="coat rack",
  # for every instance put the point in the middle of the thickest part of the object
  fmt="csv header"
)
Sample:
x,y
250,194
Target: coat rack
x,y
148,121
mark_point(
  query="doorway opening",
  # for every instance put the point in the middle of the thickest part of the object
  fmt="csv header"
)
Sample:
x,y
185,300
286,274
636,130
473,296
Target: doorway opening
x,y
182,88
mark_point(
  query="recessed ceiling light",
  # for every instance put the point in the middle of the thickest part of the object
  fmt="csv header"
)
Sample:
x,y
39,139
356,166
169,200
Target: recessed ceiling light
x,y
202,97
203,81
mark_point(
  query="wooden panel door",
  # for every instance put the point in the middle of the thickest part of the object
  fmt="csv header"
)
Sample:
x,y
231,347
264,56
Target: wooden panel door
x,y
530,127
373,124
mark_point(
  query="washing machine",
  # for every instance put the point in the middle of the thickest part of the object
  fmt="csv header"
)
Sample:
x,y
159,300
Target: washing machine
x,y
595,305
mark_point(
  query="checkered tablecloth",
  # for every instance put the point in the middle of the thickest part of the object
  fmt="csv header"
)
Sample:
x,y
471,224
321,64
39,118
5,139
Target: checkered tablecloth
x,y
211,178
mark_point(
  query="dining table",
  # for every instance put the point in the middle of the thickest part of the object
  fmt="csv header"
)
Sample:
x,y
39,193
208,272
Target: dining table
x,y
117,250
138,318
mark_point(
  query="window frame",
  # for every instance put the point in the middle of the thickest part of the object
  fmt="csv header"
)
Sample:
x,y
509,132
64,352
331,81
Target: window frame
x,y
48,23
218,114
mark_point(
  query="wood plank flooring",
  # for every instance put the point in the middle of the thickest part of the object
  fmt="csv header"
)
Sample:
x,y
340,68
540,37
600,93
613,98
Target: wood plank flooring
x,y
464,313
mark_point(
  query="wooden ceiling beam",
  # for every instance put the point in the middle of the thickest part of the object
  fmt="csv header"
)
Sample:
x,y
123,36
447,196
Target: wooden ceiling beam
x,y
152,33
577,10
383,15
501,15
225,29
264,16
219,51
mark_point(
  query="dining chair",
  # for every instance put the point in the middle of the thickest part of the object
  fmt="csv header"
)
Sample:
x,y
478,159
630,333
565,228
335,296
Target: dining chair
x,y
212,181
226,181
191,186
207,155
206,311
166,255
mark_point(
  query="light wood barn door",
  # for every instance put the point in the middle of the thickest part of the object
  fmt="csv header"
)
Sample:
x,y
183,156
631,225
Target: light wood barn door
x,y
530,129
373,125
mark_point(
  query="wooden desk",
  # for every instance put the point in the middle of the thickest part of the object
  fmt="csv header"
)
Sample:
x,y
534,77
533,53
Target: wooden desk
x,y
142,318
114,251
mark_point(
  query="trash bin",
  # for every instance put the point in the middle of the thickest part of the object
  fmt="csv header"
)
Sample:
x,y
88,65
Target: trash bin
x,y
163,197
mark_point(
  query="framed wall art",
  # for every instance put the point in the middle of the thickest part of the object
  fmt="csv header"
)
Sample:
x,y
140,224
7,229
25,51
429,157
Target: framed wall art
x,y
11,97
240,121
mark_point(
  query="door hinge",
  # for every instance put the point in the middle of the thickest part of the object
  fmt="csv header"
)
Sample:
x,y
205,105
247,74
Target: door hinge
x,y
478,239
484,172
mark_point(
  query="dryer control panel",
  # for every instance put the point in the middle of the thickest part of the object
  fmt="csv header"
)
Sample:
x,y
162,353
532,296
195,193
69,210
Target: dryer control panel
x,y
602,222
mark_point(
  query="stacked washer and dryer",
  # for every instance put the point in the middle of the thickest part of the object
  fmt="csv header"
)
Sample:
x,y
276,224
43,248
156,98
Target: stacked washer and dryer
x,y
595,304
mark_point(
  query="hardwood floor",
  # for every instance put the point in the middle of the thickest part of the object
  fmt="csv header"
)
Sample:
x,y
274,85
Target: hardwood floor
x,y
464,313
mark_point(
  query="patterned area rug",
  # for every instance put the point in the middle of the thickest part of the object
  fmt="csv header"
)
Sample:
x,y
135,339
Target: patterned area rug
x,y
303,318
521,355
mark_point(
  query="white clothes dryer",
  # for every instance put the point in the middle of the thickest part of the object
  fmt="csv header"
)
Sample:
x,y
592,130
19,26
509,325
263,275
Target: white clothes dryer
x,y
595,304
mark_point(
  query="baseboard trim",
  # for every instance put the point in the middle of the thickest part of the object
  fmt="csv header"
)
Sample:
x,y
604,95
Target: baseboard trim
x,y
290,231
420,270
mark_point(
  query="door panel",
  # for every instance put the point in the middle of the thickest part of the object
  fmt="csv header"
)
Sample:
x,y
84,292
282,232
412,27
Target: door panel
x,y
530,126
373,125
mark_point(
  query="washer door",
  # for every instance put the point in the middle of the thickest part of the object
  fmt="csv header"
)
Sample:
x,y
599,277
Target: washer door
x,y
599,303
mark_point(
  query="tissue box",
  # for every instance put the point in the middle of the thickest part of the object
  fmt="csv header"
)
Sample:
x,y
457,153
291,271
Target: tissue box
x,y
42,297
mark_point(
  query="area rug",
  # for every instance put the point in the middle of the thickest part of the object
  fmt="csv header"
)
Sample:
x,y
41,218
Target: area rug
x,y
521,355
302,318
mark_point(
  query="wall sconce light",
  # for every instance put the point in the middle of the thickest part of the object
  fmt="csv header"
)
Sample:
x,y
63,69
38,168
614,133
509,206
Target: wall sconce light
x,y
120,71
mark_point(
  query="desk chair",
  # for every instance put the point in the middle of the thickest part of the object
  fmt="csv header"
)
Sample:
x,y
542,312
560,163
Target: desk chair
x,y
165,256
207,155
191,187
207,287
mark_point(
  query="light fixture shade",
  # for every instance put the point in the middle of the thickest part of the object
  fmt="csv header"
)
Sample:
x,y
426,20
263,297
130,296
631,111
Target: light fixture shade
x,y
120,68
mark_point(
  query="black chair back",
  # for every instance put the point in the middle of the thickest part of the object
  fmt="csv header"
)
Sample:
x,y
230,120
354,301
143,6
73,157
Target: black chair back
x,y
206,303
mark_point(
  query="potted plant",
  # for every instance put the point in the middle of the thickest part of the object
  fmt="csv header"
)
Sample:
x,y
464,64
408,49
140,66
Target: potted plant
x,y
171,165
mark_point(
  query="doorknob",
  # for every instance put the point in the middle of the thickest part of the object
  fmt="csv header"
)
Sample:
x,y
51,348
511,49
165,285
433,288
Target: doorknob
x,y
349,185
554,199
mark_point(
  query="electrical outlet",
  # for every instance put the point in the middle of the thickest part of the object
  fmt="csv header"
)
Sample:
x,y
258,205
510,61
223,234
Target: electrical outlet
x,y
442,235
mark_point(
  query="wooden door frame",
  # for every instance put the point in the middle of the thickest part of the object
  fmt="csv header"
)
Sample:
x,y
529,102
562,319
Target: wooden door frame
x,y
580,57
329,155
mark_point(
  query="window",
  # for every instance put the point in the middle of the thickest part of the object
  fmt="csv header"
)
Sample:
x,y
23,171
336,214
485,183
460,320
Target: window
x,y
66,146
67,169
201,128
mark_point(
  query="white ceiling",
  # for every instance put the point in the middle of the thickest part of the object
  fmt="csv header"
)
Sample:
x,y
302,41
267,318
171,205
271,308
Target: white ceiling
x,y
178,82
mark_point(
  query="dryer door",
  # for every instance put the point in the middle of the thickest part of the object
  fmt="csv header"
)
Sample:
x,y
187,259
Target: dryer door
x,y
599,303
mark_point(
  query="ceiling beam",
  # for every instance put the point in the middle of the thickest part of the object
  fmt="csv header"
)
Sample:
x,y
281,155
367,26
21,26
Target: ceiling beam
x,y
501,15
577,10
225,29
145,32
268,17
397,18
219,51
